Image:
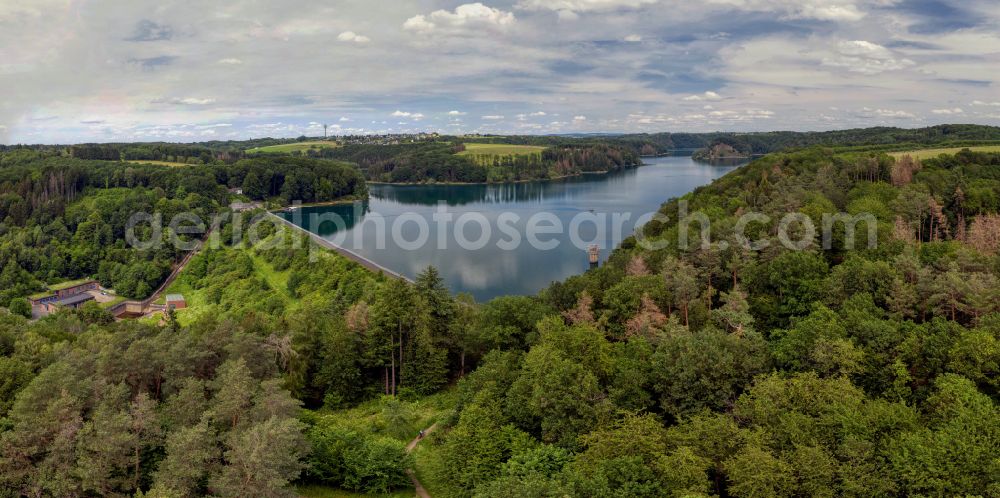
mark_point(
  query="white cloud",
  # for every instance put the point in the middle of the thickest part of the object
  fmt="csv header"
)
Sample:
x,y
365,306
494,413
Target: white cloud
x,y
705,96
352,37
794,69
192,101
416,116
492,117
824,10
887,113
956,110
864,48
734,116
466,15
579,118
419,24
581,5
344,119
633,38
538,113
865,57
196,101
457,113
828,12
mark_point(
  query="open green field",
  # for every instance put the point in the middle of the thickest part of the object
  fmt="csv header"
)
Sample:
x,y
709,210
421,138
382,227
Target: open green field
x,y
929,153
158,163
500,149
297,146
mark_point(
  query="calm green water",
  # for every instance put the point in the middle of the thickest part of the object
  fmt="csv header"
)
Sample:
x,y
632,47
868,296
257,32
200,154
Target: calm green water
x,y
483,257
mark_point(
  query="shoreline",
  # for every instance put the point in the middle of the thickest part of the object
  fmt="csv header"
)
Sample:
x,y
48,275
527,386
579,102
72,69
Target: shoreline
x,y
510,182
338,202
324,203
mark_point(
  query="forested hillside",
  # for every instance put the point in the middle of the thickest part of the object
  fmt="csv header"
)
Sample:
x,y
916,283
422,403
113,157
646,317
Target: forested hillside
x,y
708,372
439,162
413,161
427,157
882,138
772,373
65,218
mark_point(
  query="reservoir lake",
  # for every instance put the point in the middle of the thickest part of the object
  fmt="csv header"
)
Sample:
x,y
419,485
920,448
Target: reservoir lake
x,y
477,235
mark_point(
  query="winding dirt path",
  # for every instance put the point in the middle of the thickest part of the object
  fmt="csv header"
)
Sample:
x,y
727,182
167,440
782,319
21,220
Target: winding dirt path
x,y
421,492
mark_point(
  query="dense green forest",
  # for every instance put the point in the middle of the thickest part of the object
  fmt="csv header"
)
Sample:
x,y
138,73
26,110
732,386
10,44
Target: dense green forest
x,y
417,162
425,157
882,138
709,372
757,143
773,373
438,161
65,218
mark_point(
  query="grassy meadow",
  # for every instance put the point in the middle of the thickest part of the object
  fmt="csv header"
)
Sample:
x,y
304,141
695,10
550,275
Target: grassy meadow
x,y
930,153
292,147
500,150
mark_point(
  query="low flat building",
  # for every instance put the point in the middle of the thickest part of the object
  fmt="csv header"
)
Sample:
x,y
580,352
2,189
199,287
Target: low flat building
x,y
73,302
57,295
75,289
176,301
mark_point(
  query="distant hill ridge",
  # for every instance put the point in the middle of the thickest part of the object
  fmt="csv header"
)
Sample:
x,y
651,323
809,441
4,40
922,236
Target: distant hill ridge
x,y
749,143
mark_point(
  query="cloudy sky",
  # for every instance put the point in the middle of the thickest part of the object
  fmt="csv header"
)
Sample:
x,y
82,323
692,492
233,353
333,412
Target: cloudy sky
x,y
187,70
